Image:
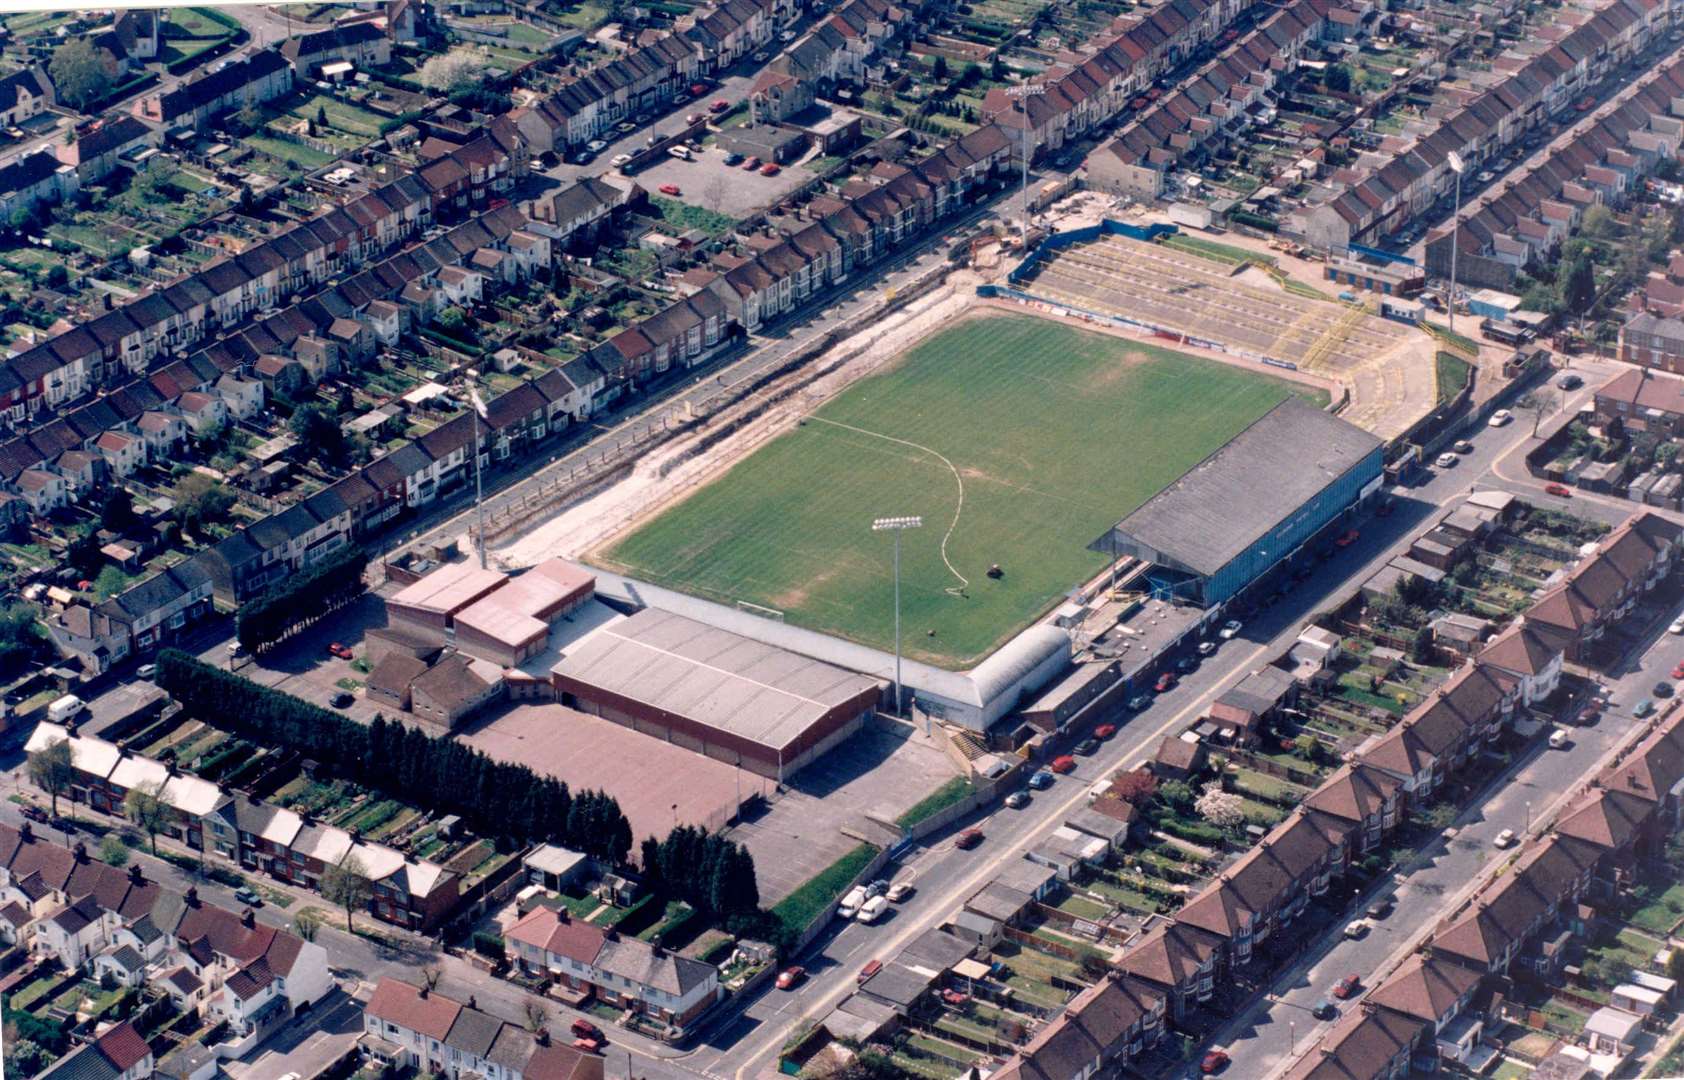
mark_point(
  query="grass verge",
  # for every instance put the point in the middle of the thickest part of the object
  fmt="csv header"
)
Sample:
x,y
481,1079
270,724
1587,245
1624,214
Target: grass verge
x,y
797,910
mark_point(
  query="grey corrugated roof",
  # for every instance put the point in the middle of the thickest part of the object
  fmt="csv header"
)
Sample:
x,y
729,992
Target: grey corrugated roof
x,y
1248,488
712,676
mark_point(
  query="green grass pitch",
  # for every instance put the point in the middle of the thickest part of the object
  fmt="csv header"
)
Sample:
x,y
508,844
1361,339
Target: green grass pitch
x,y
1024,437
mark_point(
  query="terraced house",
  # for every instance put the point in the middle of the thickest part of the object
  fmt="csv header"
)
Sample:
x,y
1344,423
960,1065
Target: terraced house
x,y
413,1026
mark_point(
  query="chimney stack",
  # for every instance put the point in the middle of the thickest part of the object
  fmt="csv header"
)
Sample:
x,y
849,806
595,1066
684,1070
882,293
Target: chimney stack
x,y
248,918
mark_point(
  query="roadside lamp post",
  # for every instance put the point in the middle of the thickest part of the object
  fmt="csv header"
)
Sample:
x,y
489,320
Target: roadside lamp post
x,y
1018,105
1456,166
897,525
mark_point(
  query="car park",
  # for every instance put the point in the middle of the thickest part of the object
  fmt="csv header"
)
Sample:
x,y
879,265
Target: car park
x,y
1017,800
1347,986
1504,839
1042,779
968,839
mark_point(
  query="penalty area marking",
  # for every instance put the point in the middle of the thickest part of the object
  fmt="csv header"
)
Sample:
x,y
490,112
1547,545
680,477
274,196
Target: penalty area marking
x,y
957,479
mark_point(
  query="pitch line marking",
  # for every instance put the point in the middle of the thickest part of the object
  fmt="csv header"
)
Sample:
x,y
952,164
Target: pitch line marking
x,y
957,510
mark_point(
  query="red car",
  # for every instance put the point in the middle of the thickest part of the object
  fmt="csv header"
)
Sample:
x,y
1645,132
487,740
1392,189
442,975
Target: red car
x,y
719,106
698,89
1215,1061
751,164
968,839
770,169
1561,490
1166,681
1104,731
1347,986
789,978
671,189
1138,103
1585,104
1349,538
1062,764
955,997
340,651
584,1029
1678,672
589,1046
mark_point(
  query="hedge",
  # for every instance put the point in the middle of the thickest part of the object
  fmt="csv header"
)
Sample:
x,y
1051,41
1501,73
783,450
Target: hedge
x,y
301,598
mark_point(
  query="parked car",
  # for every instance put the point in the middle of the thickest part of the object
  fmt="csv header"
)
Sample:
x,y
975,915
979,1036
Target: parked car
x,y
1140,701
247,895
872,910
1663,689
1380,908
1678,670
1206,648
671,189
1505,838
1559,739
695,118
1643,708
1324,1009
1677,627
619,159
1017,800
340,651
718,106
1447,460
1087,747
771,168
1104,731
35,813
1062,764
682,153
341,700
1042,779
596,146
147,672
1569,381
1462,446
871,968
876,888
899,891
968,839
733,158
1229,629
851,903
584,1029
1214,1061
751,164
1356,928
698,89
1347,986
589,1046
789,978
1559,490
1165,682
1499,418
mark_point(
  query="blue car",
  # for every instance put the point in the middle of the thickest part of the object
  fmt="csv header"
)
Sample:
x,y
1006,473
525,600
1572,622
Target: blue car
x,y
1041,780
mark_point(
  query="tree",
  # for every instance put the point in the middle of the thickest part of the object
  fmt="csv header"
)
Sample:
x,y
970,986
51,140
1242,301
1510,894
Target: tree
x,y
53,769
1221,808
200,501
116,513
1308,747
57,276
113,851
452,319
939,70
315,426
21,638
78,72
462,68
1599,223
25,1057
1135,788
321,116
306,923
1578,288
1339,79
348,886
536,1015
1421,647
145,806
1175,794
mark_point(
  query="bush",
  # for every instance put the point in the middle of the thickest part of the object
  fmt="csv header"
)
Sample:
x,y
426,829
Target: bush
x,y
488,944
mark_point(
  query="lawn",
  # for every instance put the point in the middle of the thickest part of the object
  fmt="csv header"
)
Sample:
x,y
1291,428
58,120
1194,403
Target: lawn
x,y
1018,440
1659,916
683,216
1210,249
1452,372
960,787
818,892
295,154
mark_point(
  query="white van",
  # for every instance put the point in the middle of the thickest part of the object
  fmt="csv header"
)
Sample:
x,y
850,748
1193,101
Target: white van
x,y
873,909
682,153
851,903
65,708
1558,738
